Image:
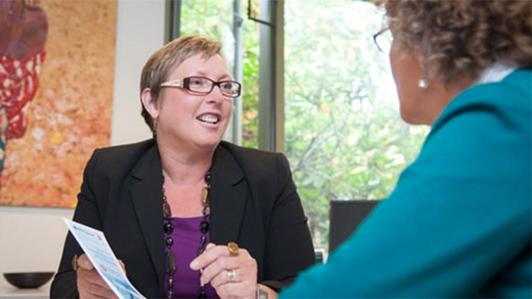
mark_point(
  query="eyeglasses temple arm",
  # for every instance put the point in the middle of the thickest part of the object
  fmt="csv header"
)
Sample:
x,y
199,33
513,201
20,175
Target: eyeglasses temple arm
x,y
173,83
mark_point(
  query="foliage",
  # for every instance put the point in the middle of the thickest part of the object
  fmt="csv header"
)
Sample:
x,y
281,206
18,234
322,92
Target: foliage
x,y
344,137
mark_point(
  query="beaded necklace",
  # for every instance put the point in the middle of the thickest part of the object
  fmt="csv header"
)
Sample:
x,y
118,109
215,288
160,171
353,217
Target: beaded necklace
x,y
168,228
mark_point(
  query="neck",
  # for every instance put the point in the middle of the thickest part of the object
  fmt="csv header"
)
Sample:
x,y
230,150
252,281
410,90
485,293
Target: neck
x,y
184,168
444,94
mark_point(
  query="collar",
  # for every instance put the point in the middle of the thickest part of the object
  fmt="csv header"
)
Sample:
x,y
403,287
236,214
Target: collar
x,y
494,73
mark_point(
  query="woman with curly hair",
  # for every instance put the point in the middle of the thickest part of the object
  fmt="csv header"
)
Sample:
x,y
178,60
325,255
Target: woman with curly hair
x,y
458,223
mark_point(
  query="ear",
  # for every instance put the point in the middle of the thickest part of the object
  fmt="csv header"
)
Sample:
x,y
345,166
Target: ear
x,y
150,103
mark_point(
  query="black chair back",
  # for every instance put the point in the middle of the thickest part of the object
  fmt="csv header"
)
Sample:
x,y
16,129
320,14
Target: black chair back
x,y
344,218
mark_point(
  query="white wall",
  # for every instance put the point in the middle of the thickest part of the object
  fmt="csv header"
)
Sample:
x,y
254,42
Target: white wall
x,y
31,239
140,33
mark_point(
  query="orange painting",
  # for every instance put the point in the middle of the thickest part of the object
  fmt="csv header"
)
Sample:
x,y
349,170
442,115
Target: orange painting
x,y
56,90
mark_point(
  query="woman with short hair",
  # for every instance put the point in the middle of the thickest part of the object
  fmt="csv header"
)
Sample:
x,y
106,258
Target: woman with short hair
x,y
189,215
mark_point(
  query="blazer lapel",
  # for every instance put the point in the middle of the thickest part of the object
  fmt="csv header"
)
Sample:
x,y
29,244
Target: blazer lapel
x,y
146,195
227,198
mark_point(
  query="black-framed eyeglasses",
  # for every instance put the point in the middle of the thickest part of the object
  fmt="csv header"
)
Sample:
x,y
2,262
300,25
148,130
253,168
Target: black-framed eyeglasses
x,y
383,40
204,86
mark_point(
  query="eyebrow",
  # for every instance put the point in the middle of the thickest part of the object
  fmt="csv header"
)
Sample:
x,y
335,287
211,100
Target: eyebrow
x,y
203,74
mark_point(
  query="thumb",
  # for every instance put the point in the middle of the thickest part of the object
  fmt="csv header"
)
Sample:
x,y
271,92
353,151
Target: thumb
x,y
123,266
84,262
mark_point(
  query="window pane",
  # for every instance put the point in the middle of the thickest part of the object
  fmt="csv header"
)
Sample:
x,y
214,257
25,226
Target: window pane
x,y
250,98
212,18
344,136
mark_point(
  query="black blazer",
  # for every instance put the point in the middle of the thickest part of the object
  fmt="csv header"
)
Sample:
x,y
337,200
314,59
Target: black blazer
x,y
253,202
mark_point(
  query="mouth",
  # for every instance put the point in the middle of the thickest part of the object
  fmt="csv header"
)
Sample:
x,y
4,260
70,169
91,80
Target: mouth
x,y
209,118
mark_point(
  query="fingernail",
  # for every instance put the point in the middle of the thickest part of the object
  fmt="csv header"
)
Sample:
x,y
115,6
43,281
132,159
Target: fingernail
x,y
194,265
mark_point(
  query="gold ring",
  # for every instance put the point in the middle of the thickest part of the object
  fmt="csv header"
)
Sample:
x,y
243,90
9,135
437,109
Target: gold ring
x,y
233,248
75,263
231,275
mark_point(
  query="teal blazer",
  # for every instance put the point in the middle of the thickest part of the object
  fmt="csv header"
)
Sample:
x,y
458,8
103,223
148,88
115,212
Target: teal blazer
x,y
458,223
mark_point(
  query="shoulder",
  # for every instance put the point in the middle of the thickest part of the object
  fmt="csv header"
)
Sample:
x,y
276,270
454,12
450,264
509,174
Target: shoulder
x,y
251,155
253,161
482,141
119,158
518,82
510,94
505,105
484,124
124,151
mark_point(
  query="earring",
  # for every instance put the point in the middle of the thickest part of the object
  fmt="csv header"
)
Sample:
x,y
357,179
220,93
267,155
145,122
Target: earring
x,y
423,83
154,128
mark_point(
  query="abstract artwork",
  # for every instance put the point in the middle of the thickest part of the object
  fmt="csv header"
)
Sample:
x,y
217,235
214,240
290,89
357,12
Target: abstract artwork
x,y
56,87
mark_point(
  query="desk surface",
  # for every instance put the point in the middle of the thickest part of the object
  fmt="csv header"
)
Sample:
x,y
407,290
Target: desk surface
x,y
9,291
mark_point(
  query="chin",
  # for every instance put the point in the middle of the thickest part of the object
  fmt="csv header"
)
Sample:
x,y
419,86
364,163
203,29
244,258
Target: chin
x,y
208,143
412,118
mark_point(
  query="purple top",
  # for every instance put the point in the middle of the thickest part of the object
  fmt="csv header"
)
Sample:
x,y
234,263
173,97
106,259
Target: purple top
x,y
186,237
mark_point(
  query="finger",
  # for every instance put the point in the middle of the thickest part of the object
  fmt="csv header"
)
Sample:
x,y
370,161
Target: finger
x,y
224,276
92,287
123,266
221,264
89,296
243,261
239,289
101,291
91,277
84,262
208,257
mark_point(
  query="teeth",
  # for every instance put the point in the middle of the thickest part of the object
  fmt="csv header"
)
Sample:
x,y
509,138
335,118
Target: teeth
x,y
208,118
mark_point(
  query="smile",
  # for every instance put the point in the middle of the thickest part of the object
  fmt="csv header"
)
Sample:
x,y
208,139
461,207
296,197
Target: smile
x,y
209,118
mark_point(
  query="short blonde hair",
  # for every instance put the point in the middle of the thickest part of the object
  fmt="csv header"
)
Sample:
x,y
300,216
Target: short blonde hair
x,y
453,39
156,69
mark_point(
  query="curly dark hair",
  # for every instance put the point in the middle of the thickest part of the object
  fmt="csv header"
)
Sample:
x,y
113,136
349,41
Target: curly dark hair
x,y
456,38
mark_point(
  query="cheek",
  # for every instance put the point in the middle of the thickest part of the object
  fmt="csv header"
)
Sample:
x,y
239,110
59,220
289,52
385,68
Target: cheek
x,y
228,109
406,72
408,112
410,103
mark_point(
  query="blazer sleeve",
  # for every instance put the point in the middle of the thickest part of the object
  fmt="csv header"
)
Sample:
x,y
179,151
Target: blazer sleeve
x,y
86,212
289,248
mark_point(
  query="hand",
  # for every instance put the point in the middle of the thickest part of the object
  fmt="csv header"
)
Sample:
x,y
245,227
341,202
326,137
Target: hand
x,y
90,283
217,265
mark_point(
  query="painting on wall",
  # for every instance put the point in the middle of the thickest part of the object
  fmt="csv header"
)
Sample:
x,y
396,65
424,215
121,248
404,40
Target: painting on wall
x,y
56,87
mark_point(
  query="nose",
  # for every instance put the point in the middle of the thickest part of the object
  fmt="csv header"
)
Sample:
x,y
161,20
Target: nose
x,y
215,96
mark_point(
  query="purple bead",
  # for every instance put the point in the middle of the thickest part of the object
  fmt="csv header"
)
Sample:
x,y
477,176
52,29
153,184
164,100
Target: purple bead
x,y
204,227
169,241
168,227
